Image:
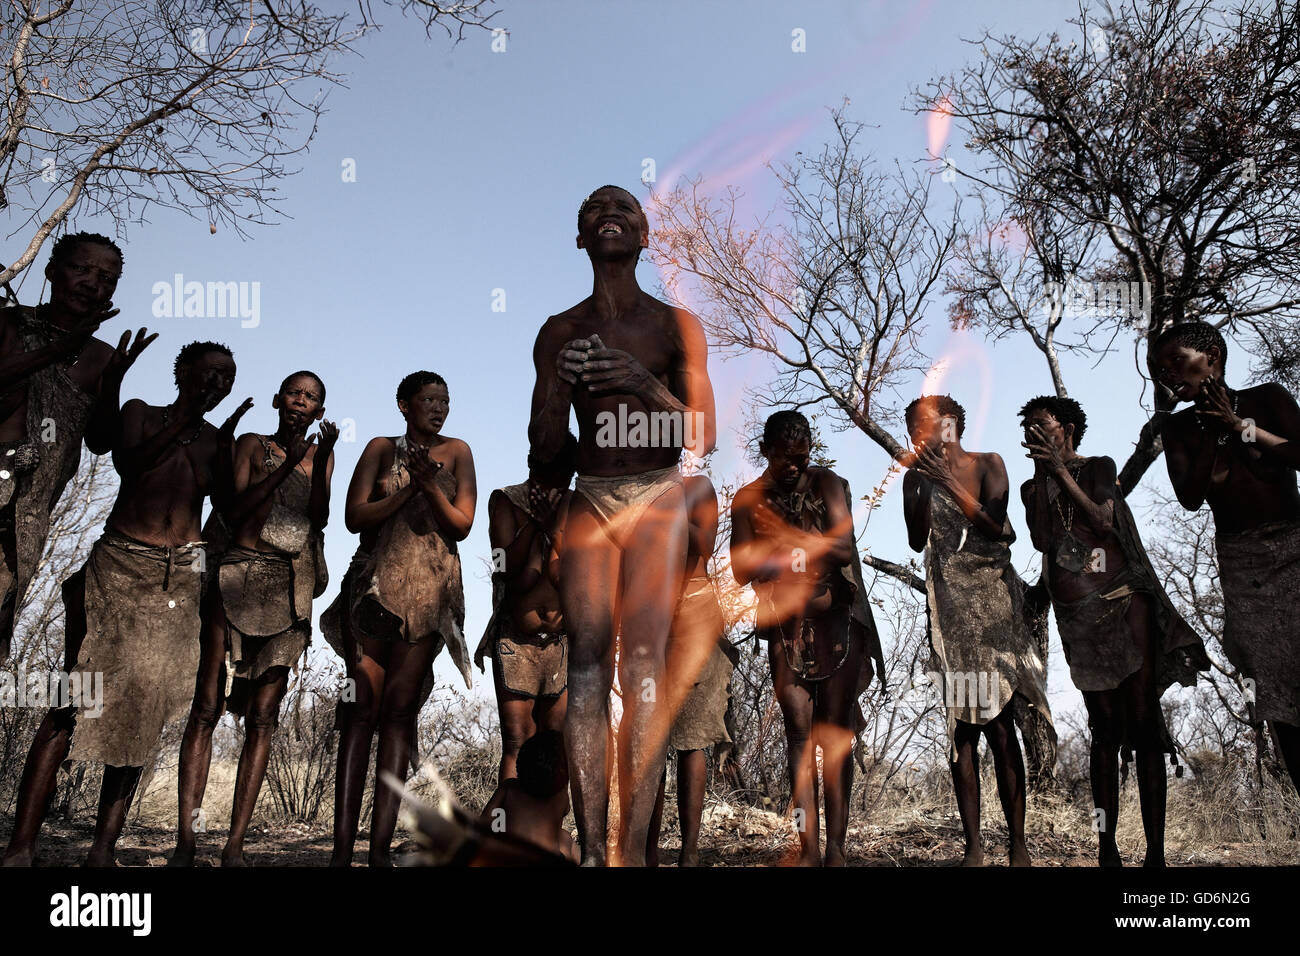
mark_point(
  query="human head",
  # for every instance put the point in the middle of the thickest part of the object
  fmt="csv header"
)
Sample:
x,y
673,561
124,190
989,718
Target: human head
x,y
205,367
1186,355
934,419
423,400
83,272
626,229
559,471
541,765
786,444
300,400
1062,420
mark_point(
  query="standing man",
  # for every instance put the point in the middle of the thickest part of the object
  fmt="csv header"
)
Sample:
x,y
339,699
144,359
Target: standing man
x,y
792,539
1122,638
955,505
52,371
1238,452
133,609
639,400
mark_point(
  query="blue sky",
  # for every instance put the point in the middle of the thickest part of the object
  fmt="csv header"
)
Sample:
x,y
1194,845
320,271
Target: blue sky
x,y
470,166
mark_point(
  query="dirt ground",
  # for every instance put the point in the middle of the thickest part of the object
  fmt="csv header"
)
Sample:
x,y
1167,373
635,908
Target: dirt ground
x,y
730,838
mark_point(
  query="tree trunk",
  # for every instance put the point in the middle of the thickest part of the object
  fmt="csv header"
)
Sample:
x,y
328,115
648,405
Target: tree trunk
x,y
1036,728
1149,448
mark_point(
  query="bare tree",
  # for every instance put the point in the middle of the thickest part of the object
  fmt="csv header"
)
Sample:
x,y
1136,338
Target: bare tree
x,y
38,637
836,296
1158,148
119,107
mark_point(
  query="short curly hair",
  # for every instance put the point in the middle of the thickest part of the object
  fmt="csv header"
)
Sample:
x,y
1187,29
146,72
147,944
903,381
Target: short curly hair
x,y
785,428
191,353
308,373
1065,410
943,404
408,386
1199,336
69,242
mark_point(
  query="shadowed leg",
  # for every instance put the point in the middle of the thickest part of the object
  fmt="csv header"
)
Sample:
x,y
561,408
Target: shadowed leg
x,y
359,718
796,702
53,739
589,577
262,717
966,782
196,745
408,665
1009,766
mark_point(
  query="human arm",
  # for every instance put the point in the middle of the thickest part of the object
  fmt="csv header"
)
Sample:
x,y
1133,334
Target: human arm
x,y
360,512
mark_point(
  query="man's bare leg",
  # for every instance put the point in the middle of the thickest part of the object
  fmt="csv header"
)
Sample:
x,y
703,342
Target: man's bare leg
x,y
966,782
692,775
656,823
1009,766
589,579
517,725
1104,720
408,664
196,745
115,797
836,711
260,721
52,742
797,713
360,717
655,554
36,788
1143,715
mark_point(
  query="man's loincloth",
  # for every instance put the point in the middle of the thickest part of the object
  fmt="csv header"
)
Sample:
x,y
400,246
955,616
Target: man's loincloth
x,y
621,500
142,634
1259,572
981,647
532,665
701,720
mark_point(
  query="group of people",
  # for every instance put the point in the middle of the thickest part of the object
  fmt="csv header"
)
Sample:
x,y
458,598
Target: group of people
x,y
606,573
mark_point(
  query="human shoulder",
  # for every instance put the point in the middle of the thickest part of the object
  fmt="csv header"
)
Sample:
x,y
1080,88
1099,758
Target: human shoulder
x,y
1271,393
563,326
826,481
748,495
96,354
135,409
683,324
248,443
